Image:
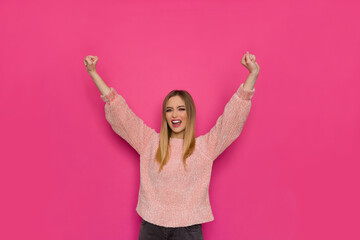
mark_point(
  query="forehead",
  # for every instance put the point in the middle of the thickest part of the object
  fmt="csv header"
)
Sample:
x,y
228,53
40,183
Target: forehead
x,y
175,101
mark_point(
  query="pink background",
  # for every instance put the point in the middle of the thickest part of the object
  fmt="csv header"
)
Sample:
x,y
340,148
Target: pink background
x,y
292,174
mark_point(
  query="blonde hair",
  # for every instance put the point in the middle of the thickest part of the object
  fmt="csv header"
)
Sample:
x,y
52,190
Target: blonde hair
x,y
162,154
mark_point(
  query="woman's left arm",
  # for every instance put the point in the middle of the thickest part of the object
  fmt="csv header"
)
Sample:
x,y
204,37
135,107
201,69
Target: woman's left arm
x,y
230,124
249,61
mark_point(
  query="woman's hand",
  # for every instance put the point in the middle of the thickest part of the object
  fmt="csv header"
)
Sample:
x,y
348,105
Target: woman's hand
x,y
250,63
90,63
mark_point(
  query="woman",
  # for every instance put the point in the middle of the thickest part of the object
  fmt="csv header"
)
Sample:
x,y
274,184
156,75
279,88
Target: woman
x,y
175,167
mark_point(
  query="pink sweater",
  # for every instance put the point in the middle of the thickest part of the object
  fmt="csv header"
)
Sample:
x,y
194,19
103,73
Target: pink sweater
x,y
175,197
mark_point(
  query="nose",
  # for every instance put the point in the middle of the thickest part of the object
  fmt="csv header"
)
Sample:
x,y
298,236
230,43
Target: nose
x,y
174,114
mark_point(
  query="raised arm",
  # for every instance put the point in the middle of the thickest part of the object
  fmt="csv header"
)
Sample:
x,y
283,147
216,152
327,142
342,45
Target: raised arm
x,y
90,63
121,118
125,122
229,125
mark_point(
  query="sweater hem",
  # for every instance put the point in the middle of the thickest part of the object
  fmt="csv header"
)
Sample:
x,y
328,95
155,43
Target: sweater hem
x,y
148,218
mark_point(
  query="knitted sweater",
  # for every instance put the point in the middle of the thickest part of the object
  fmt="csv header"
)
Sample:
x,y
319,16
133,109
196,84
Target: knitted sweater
x,y
176,197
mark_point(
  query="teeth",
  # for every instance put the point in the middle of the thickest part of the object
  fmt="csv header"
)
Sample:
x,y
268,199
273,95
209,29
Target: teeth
x,y
176,121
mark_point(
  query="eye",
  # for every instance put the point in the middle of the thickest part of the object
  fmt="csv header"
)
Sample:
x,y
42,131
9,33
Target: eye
x,y
182,109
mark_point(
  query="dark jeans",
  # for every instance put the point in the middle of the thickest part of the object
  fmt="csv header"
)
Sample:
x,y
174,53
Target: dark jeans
x,y
149,231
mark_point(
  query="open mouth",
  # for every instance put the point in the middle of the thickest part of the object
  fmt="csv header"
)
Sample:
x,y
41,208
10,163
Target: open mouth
x,y
176,123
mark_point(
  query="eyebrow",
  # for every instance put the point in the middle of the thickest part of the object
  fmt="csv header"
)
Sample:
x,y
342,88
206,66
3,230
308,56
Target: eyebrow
x,y
178,106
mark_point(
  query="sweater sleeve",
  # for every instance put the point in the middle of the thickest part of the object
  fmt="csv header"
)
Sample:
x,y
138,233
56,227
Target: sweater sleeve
x,y
125,122
229,125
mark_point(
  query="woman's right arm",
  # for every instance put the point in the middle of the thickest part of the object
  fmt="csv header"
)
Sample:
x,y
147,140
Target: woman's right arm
x,y
121,118
101,85
90,63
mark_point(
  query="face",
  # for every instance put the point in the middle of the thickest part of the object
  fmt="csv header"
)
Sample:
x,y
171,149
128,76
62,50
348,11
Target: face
x,y
175,110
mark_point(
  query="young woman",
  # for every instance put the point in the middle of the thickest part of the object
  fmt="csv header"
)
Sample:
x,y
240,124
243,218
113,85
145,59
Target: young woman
x,y
175,167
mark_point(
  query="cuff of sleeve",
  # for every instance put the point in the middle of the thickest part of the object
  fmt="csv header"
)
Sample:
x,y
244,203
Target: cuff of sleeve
x,y
245,93
109,96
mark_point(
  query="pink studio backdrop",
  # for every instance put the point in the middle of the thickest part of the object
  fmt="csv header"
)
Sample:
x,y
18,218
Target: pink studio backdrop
x,y
292,173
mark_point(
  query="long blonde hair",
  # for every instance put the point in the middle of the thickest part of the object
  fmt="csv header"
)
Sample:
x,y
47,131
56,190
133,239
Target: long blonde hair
x,y
162,154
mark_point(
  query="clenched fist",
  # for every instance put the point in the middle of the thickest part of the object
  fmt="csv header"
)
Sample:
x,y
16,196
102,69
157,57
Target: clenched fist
x,y
90,63
250,63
